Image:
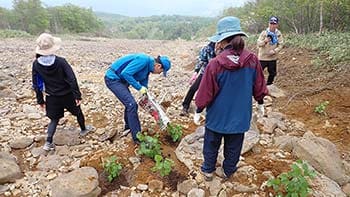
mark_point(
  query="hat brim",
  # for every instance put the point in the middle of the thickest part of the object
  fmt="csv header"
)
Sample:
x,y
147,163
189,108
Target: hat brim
x,y
219,38
52,50
165,73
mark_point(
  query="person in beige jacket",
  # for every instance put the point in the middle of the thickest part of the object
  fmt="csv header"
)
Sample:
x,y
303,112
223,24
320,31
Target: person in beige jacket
x,y
270,43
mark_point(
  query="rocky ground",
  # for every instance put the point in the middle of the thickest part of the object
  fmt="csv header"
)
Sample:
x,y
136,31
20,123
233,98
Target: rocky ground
x,y
290,131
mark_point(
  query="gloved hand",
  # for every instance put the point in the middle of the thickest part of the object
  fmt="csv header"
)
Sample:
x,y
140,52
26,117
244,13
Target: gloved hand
x,y
261,110
273,38
193,78
143,90
196,118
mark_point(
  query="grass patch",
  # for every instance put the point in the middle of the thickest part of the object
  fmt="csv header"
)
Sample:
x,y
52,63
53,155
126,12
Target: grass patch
x,y
7,33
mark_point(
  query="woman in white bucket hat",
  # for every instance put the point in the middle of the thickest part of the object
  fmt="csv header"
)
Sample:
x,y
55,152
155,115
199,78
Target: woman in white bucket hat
x,y
61,87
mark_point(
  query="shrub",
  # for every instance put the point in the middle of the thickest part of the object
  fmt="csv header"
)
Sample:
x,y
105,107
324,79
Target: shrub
x,y
149,146
112,167
321,108
163,166
334,45
293,183
7,33
175,131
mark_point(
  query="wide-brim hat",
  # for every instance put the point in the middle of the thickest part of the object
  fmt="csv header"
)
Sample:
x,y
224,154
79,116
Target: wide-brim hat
x,y
226,27
47,44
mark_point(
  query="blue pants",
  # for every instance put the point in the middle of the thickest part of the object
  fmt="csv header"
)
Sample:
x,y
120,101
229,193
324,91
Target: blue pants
x,y
122,92
232,150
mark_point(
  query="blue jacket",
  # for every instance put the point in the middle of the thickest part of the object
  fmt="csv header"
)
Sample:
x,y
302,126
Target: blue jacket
x,y
133,69
226,90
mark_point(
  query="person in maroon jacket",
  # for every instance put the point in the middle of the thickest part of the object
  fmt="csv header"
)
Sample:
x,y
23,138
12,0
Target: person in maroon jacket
x,y
226,91
53,75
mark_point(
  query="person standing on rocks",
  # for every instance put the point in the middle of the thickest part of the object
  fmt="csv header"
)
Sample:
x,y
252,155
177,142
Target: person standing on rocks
x,y
134,70
226,90
205,55
55,75
270,43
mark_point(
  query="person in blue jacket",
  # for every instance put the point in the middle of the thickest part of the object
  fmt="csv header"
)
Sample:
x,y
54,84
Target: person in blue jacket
x,y
134,70
226,90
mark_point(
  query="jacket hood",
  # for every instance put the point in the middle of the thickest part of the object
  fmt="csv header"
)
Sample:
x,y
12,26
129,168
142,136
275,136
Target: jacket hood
x,y
230,61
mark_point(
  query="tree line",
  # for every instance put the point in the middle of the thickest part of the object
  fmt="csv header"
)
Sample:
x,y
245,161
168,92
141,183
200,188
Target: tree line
x,y
155,27
296,16
32,17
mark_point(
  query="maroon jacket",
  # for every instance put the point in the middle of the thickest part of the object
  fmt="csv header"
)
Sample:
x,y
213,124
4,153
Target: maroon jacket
x,y
226,90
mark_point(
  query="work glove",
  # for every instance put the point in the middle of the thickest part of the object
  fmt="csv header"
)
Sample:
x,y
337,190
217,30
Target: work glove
x,y
143,90
261,110
273,38
193,78
196,118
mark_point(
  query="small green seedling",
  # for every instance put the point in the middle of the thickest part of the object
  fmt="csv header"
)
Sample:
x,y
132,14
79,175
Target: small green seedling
x,y
293,183
321,108
112,167
175,131
149,146
163,165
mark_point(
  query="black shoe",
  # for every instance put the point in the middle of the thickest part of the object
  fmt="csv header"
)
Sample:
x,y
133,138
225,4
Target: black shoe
x,y
184,112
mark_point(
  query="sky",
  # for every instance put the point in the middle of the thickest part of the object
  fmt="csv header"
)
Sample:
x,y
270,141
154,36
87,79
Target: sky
x,y
147,7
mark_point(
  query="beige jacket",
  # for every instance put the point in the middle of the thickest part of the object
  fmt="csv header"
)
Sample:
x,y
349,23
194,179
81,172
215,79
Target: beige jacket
x,y
264,52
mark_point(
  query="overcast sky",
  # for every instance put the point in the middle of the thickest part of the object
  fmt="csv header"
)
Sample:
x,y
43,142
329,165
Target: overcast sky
x,y
148,7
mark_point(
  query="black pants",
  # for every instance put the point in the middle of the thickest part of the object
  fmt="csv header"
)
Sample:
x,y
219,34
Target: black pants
x,y
271,68
190,94
55,106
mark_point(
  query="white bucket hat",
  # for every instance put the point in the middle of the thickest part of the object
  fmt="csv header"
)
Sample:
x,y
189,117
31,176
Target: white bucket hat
x,y
47,44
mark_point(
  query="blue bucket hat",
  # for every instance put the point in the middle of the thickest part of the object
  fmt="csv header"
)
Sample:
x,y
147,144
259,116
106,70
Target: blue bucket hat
x,y
226,27
166,64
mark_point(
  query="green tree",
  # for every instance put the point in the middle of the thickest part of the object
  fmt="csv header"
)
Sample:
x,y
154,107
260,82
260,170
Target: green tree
x,y
73,19
30,16
5,16
298,16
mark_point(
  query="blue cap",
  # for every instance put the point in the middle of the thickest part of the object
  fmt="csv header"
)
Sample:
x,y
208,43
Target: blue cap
x,y
166,64
273,20
226,27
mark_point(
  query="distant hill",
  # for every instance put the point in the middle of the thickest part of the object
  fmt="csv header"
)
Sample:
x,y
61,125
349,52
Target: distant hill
x,y
108,17
155,27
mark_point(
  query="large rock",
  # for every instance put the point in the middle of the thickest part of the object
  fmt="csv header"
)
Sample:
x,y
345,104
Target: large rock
x,y
51,162
22,142
9,170
67,136
82,182
286,142
323,186
322,155
275,91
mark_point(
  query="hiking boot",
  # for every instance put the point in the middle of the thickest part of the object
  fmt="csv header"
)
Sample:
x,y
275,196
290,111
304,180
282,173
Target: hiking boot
x,y
87,129
184,112
208,176
49,146
221,173
125,132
